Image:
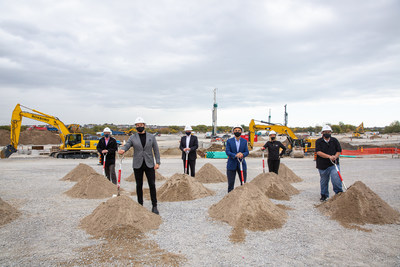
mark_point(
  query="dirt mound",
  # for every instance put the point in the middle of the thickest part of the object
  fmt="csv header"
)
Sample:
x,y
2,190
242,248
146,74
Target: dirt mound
x,y
210,174
274,186
78,173
171,152
38,137
4,137
246,207
120,211
131,178
7,213
215,147
288,175
92,187
182,187
359,205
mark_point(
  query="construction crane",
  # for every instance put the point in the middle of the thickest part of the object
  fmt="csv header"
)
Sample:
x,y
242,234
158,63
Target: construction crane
x,y
359,131
73,145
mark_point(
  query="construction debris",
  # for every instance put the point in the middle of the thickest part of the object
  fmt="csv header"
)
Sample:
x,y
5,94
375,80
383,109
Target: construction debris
x,y
210,174
274,186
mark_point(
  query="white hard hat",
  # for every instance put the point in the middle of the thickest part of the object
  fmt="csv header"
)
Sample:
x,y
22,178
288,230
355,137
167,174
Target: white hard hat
x,y
272,132
188,128
237,126
139,120
106,130
326,128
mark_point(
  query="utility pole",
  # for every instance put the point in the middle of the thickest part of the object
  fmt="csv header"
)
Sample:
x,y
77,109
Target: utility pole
x,y
214,114
286,116
269,117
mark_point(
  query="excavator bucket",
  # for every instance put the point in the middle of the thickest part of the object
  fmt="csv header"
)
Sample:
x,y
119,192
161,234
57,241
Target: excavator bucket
x,y
7,151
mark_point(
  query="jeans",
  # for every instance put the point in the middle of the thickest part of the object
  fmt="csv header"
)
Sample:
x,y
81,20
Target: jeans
x,y
231,177
331,173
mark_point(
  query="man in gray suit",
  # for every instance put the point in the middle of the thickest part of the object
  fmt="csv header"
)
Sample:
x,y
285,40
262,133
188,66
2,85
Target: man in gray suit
x,y
144,144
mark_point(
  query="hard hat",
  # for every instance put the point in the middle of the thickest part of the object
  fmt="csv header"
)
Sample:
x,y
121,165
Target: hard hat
x,y
139,120
106,130
237,126
188,128
272,132
326,128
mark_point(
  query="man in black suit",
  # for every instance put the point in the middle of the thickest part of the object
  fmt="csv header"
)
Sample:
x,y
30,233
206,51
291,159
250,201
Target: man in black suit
x,y
188,146
108,146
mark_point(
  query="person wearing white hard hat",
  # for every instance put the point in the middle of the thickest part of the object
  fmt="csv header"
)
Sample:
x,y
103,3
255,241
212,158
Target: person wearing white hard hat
x,y
188,146
328,150
144,146
107,146
273,146
236,150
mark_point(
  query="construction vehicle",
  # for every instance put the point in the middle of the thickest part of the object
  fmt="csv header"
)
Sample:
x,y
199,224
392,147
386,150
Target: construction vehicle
x,y
359,131
73,144
294,143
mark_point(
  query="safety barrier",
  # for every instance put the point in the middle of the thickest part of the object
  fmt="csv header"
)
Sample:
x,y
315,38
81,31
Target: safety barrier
x,y
369,151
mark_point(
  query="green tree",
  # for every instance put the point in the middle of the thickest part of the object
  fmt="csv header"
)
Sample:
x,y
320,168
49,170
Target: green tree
x,y
394,127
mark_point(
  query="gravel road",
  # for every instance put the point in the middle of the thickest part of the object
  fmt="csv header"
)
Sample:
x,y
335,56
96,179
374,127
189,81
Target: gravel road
x,y
47,232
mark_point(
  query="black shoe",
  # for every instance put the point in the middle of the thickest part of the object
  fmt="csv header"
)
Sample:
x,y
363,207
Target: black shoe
x,y
155,210
323,198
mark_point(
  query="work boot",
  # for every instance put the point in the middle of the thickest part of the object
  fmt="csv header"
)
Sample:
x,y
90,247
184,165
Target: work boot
x,y
155,210
323,198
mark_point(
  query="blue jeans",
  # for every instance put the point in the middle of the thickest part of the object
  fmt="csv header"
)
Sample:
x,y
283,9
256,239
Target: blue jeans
x,y
335,179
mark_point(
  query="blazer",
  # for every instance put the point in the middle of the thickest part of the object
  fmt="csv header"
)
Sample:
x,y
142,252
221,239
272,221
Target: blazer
x,y
141,153
111,146
193,145
231,151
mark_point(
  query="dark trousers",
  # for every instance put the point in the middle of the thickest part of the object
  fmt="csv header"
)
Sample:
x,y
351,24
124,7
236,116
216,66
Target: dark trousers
x,y
231,177
110,173
273,165
151,180
191,166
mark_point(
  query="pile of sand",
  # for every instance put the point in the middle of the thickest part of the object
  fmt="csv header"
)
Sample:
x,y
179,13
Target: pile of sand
x,y
210,174
171,152
215,147
38,137
7,213
182,187
246,207
4,137
287,174
78,173
117,212
274,186
131,178
92,187
359,205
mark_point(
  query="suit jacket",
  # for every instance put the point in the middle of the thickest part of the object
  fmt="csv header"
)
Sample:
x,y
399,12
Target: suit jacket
x,y
193,145
111,146
145,153
231,152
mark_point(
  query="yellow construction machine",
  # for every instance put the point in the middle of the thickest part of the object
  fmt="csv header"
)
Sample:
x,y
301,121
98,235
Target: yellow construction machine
x,y
359,131
73,144
294,143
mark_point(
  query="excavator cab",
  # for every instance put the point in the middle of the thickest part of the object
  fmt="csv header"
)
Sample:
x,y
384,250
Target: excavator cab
x,y
73,139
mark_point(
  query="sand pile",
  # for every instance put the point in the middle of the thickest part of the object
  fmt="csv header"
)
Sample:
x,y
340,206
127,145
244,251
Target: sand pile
x,y
287,174
7,213
210,174
274,186
78,173
38,137
182,187
4,137
92,187
215,147
246,207
131,178
171,152
359,205
117,212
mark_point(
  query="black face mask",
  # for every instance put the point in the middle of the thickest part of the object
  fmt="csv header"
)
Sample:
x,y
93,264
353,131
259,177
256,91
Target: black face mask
x,y
140,129
327,135
273,138
237,134
188,133
106,135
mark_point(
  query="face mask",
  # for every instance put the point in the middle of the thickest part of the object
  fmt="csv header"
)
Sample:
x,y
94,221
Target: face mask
x,y
140,129
327,135
188,133
106,135
237,134
273,138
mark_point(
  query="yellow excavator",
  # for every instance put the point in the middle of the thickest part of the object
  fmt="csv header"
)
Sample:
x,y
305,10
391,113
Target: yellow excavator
x,y
295,144
73,145
359,131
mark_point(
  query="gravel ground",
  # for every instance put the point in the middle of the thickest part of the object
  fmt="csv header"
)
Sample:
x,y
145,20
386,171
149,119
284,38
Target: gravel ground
x,y
47,232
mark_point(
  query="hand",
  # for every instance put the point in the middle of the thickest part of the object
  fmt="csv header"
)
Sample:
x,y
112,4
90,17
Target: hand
x,y
263,148
121,151
186,149
333,158
104,151
156,166
239,155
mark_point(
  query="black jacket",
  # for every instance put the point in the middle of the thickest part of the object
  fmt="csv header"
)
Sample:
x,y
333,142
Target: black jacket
x,y
111,146
193,145
330,148
273,149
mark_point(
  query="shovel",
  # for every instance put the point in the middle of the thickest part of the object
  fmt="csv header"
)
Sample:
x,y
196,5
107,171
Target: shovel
x,y
186,162
104,164
241,171
119,173
263,161
341,179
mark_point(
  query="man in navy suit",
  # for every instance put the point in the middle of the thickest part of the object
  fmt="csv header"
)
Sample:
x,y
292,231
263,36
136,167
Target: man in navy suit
x,y
188,146
237,150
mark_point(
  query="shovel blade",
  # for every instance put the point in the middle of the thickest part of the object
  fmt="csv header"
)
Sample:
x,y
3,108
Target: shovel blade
x,y
7,151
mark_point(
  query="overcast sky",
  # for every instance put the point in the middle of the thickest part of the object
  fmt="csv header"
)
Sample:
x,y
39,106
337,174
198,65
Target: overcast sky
x,y
98,61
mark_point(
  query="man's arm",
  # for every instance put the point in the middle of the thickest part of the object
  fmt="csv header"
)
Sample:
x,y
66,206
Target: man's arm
x,y
246,150
99,146
228,150
195,144
156,151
